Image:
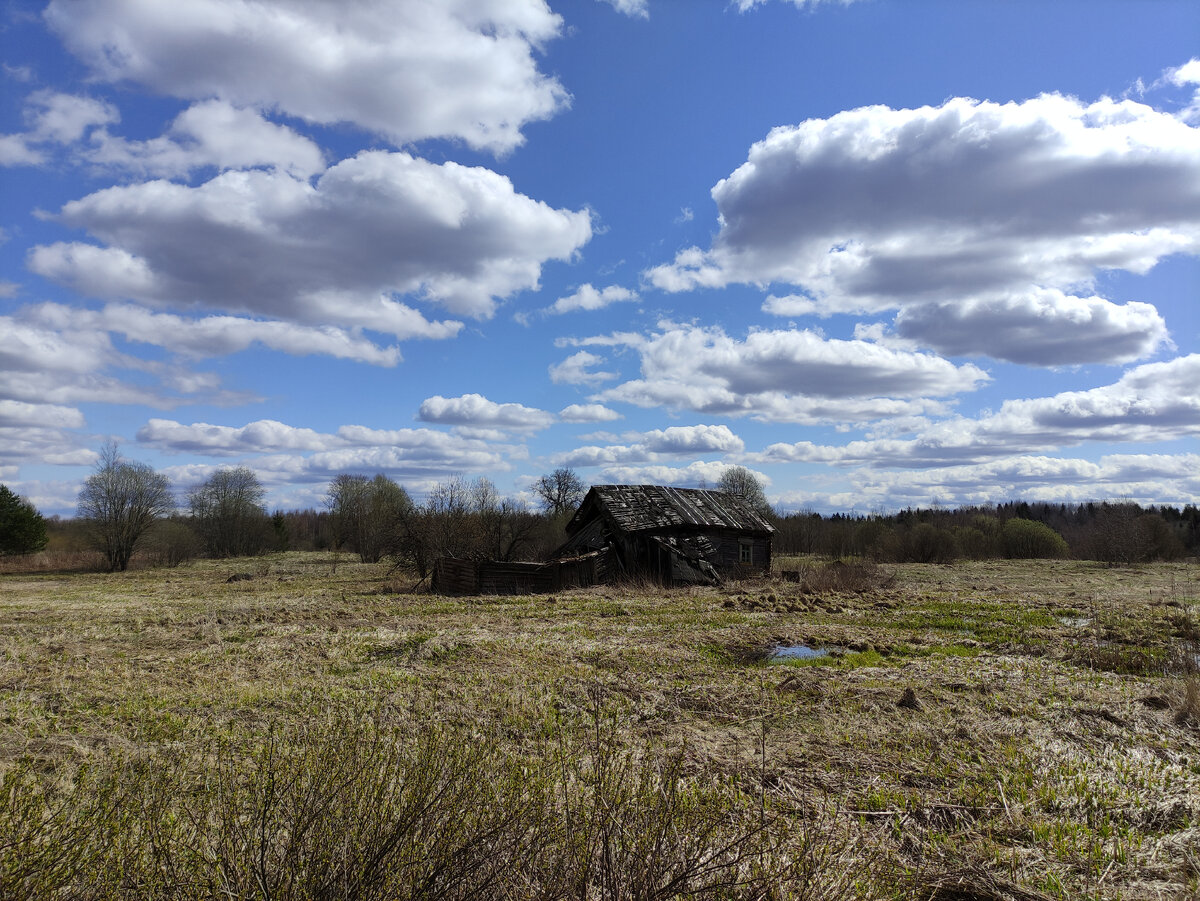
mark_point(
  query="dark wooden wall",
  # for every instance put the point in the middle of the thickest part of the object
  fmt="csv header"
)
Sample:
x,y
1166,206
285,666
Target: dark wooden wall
x,y
463,577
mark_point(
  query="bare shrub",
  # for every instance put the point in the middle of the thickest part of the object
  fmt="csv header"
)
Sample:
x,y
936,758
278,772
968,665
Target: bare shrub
x,y
857,575
1187,704
172,542
970,883
352,806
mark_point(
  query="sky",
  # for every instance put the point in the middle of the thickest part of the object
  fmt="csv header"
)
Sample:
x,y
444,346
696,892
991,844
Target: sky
x,y
883,253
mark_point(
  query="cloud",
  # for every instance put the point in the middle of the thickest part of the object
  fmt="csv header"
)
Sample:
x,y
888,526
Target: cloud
x,y
1143,478
52,119
352,447
20,444
744,5
53,354
18,413
32,347
1147,403
1044,327
49,496
262,436
636,9
693,475
1188,75
576,370
40,432
590,298
477,411
455,69
209,336
332,253
693,439
16,150
212,133
588,413
653,446
1000,207
286,455
787,376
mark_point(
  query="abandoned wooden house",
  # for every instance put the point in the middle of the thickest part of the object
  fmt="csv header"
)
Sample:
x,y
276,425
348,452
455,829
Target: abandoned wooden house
x,y
674,536
671,535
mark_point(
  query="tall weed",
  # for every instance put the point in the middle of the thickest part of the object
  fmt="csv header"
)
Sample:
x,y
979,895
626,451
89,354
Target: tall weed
x,y
353,806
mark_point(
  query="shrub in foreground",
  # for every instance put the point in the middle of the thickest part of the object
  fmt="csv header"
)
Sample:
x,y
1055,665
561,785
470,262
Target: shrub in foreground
x,y
349,808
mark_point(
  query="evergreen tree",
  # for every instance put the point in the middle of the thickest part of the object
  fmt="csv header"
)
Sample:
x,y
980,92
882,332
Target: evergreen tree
x,y
22,528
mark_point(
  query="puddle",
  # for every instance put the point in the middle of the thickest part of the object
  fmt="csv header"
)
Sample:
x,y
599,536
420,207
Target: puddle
x,y
1076,622
796,652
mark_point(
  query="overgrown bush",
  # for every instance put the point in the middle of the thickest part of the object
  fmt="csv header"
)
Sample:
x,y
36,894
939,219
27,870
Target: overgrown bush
x,y
1024,539
354,806
926,543
172,542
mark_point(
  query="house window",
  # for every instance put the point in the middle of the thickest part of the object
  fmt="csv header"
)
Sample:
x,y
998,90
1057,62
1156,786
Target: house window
x,y
745,552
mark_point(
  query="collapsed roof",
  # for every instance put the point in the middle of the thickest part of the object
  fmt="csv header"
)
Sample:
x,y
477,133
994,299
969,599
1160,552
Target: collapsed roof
x,y
649,508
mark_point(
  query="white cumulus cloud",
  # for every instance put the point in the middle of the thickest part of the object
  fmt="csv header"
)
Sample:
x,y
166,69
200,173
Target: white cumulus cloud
x,y
1147,403
1002,209
588,297
333,253
588,413
53,118
637,9
475,410
788,376
407,71
577,370
211,133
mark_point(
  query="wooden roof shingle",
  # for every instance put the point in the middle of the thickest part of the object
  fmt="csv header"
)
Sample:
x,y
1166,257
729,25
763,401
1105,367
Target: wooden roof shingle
x,y
642,508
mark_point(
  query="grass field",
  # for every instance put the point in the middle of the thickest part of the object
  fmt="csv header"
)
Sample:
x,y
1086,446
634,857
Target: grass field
x,y
994,730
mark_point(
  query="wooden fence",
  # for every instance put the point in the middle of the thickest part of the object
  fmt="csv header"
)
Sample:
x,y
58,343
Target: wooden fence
x,y
452,576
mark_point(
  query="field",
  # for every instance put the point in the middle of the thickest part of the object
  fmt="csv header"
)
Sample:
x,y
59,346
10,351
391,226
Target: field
x,y
311,728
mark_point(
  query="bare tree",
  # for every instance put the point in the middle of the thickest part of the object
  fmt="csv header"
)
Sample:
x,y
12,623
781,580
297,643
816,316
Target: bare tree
x,y
508,528
742,483
119,502
368,514
464,519
560,491
228,513
347,503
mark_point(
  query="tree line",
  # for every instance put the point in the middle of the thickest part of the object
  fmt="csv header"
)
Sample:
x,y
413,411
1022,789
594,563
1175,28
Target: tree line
x,y
125,507
1117,532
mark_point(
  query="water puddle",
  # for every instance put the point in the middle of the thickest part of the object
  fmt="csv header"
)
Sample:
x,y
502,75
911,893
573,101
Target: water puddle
x,y
1075,622
796,652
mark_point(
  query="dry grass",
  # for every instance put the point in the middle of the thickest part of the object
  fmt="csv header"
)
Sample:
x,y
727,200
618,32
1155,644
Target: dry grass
x,y
1035,762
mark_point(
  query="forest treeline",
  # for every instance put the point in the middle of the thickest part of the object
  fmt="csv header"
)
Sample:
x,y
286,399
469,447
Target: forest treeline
x,y
1119,532
1110,532
126,508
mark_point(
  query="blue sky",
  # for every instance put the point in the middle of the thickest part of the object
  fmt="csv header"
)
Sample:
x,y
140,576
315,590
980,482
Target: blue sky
x,y
881,253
